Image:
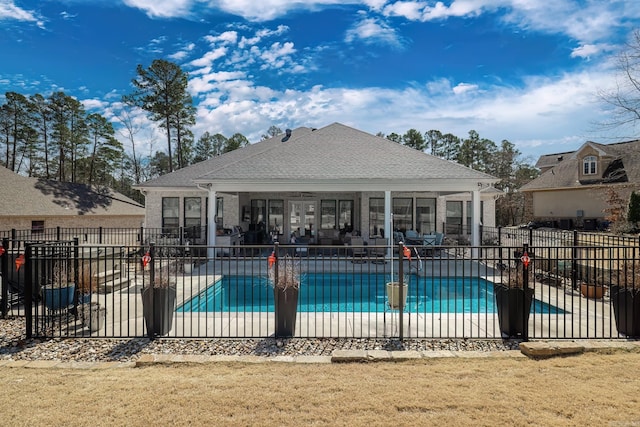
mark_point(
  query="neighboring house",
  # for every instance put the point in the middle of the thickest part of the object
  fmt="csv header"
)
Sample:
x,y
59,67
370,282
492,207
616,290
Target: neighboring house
x,y
321,184
35,204
574,188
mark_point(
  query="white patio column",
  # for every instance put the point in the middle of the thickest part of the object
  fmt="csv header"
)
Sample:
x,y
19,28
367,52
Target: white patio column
x,y
475,220
388,220
211,224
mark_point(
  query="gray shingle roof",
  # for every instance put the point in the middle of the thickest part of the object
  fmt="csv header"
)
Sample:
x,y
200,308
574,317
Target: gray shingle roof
x,y
565,174
24,196
335,152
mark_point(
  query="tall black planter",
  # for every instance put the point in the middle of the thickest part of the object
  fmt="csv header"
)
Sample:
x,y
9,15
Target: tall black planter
x,y
158,315
514,306
626,310
286,307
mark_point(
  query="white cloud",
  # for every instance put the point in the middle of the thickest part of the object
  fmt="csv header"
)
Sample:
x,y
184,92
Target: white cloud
x,y
182,53
230,37
247,51
261,34
208,58
588,50
586,22
9,11
537,118
277,55
462,88
66,15
372,30
162,8
267,10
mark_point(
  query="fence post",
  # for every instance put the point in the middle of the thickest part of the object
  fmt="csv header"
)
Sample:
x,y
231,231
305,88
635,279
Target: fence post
x,y
400,290
530,236
13,238
525,286
76,274
4,268
28,290
574,260
152,280
500,243
181,231
100,235
58,233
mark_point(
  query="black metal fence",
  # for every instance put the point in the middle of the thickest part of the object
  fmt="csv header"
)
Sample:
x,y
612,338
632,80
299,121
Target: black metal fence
x,y
73,289
110,236
552,237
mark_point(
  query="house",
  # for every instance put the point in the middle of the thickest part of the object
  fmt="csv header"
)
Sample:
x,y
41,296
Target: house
x,y
320,184
36,204
575,188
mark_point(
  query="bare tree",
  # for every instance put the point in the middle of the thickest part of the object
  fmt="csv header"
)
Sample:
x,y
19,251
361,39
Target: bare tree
x,y
625,96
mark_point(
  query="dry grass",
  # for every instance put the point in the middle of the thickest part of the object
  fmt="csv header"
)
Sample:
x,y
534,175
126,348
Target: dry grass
x,y
586,390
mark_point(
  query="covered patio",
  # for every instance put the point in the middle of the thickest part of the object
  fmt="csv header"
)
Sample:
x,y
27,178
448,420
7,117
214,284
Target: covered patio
x,y
323,186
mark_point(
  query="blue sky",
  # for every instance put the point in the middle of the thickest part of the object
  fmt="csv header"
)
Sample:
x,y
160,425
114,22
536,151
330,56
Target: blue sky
x,y
528,71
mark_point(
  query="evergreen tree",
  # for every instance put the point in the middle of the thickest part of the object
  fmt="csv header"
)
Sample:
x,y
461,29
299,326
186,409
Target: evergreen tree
x,y
271,132
161,90
633,216
434,142
394,137
236,141
209,146
414,139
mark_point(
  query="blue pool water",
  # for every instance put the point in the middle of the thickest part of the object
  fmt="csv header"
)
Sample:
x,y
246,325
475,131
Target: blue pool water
x,y
335,292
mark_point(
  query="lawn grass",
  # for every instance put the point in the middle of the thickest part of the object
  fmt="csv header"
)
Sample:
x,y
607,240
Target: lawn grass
x,y
590,389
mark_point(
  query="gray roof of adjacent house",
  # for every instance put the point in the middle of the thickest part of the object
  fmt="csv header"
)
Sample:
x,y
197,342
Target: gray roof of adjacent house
x,y
25,196
623,166
334,157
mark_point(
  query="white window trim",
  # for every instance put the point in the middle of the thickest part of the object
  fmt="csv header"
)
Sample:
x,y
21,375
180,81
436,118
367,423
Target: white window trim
x,y
587,162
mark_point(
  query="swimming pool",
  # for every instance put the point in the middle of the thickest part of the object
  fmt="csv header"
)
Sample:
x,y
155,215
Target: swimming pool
x,y
346,292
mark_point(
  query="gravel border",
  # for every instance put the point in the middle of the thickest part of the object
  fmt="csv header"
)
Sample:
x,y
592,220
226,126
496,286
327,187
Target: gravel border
x,y
14,346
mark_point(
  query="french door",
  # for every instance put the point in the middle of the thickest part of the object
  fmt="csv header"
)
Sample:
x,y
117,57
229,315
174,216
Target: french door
x,y
302,217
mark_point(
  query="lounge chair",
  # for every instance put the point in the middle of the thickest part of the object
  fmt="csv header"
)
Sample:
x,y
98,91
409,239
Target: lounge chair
x,y
358,251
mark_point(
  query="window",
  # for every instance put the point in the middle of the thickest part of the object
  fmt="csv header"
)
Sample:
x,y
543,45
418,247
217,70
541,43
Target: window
x,y
402,214
276,216
470,213
37,227
590,165
258,211
192,216
170,214
454,218
327,214
376,217
345,215
426,216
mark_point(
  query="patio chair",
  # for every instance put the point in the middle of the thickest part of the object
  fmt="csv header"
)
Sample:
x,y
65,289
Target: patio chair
x,y
413,238
358,251
379,250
